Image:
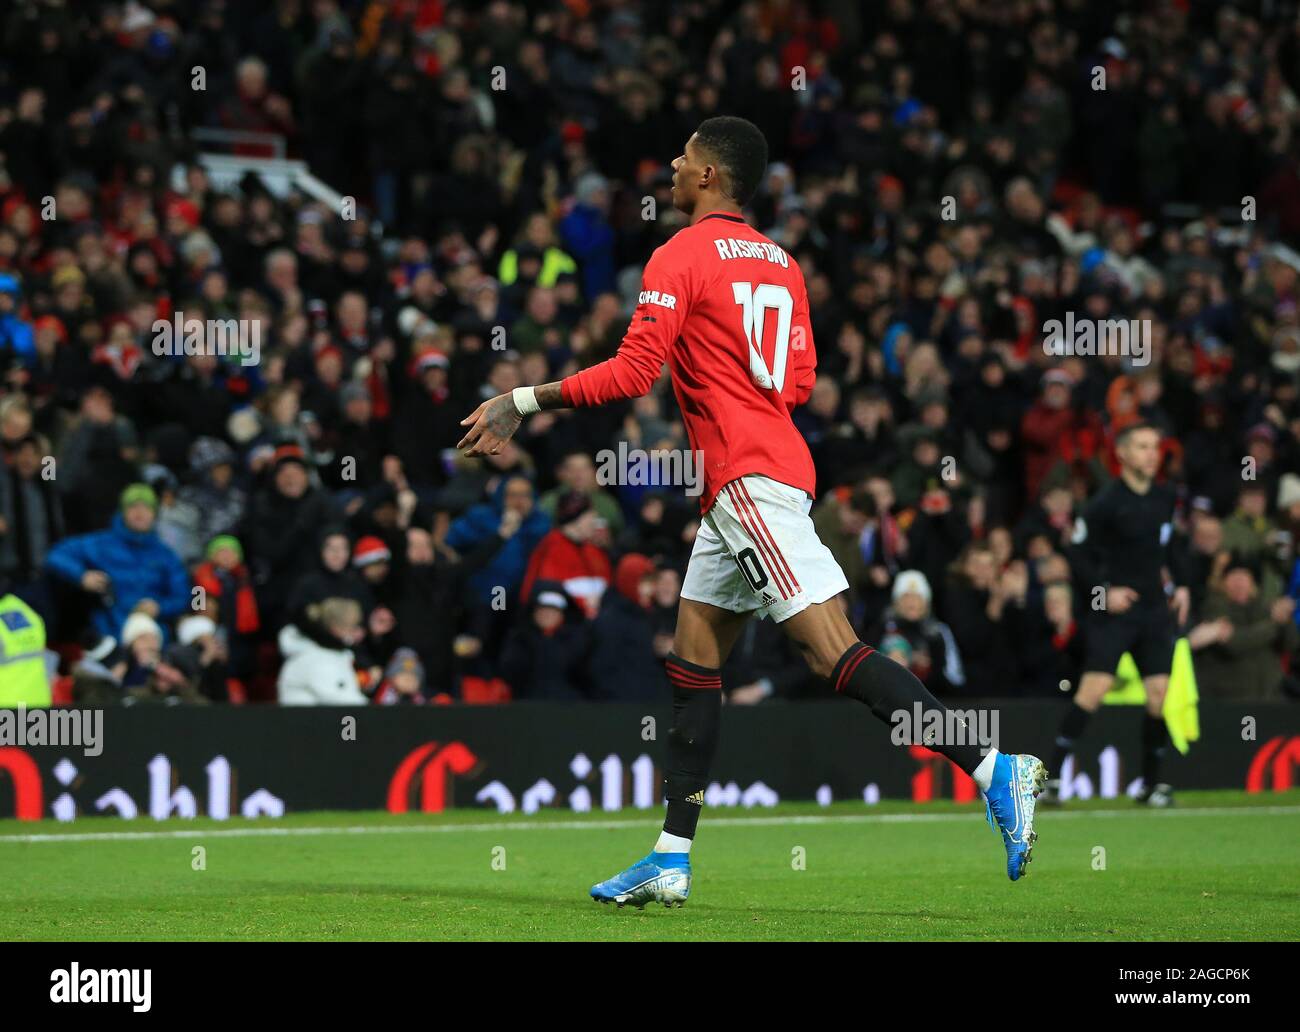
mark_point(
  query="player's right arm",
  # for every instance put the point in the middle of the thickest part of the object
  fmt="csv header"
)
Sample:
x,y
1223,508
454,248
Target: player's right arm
x,y
656,324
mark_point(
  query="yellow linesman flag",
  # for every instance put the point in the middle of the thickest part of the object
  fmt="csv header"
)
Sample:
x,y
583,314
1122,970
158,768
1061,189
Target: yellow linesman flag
x,y
1180,710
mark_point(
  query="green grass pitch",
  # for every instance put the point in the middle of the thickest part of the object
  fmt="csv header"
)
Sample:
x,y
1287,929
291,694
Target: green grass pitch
x,y
1221,866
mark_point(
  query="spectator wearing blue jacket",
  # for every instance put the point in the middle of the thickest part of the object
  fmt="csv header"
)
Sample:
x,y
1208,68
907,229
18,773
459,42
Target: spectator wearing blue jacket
x,y
17,338
127,565
587,235
496,538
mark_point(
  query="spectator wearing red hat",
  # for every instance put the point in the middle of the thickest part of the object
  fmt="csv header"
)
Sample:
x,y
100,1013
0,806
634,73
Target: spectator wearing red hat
x,y
568,555
373,561
182,216
58,373
52,325
321,396
371,556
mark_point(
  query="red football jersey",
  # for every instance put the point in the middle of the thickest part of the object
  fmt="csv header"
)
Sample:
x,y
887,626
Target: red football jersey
x,y
728,310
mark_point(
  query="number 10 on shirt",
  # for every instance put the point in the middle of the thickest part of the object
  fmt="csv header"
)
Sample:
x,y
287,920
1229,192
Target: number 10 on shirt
x,y
755,302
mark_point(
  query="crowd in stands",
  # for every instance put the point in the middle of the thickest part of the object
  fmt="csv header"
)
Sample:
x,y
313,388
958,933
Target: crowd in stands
x,y
949,175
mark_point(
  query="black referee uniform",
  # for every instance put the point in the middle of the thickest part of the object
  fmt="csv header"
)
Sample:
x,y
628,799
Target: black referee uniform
x,y
1126,540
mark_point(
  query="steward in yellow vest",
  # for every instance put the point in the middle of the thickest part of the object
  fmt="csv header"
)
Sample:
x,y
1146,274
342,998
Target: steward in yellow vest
x,y
23,679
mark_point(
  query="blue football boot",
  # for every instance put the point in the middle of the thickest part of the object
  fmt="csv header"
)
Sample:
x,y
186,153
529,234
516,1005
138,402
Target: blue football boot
x,y
659,878
1017,780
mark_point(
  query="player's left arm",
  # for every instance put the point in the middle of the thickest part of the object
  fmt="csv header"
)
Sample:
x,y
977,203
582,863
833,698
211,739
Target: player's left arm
x,y
656,324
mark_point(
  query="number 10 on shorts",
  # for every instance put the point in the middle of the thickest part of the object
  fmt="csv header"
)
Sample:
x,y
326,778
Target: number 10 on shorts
x,y
751,569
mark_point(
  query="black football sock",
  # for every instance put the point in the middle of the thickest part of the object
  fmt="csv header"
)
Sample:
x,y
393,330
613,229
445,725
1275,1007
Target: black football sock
x,y
1155,736
1071,728
697,711
887,688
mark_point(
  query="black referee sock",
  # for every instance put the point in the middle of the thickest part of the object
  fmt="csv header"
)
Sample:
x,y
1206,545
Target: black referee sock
x,y
1155,736
887,688
1071,728
697,711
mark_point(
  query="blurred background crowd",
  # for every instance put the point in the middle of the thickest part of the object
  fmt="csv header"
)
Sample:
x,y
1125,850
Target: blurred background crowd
x,y
948,174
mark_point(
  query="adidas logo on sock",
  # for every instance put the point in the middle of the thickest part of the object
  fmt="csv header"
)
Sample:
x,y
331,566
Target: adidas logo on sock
x,y
696,797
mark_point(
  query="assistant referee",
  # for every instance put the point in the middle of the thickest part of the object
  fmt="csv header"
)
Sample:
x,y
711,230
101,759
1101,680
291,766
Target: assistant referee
x,y
1124,543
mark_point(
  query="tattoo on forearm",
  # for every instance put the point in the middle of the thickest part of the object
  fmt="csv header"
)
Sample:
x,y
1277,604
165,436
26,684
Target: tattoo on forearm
x,y
550,395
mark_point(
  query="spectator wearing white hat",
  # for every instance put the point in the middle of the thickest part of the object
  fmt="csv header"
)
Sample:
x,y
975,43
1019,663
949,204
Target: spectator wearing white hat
x,y
201,649
936,660
142,640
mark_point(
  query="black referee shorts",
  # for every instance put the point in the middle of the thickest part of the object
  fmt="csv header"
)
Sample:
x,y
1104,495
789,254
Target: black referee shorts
x,y
1148,633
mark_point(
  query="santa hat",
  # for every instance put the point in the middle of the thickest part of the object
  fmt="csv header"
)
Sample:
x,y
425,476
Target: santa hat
x,y
429,358
370,550
286,453
52,322
328,351
185,210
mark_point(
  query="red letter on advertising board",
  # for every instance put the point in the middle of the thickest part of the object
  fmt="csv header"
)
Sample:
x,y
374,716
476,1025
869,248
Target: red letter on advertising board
x,y
26,776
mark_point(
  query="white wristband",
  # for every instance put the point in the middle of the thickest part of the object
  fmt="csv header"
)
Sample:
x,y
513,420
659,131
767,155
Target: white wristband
x,y
525,399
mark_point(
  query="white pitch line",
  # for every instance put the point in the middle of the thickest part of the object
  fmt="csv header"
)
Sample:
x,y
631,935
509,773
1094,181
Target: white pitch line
x,y
616,825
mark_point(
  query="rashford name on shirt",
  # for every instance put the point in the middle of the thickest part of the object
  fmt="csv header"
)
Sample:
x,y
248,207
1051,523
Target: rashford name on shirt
x,y
730,247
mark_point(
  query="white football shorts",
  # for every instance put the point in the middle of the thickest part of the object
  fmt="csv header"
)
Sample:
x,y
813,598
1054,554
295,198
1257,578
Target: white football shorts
x,y
757,550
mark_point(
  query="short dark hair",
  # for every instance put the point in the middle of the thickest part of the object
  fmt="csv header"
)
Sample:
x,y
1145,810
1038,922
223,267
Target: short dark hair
x,y
739,148
570,453
1133,428
864,502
